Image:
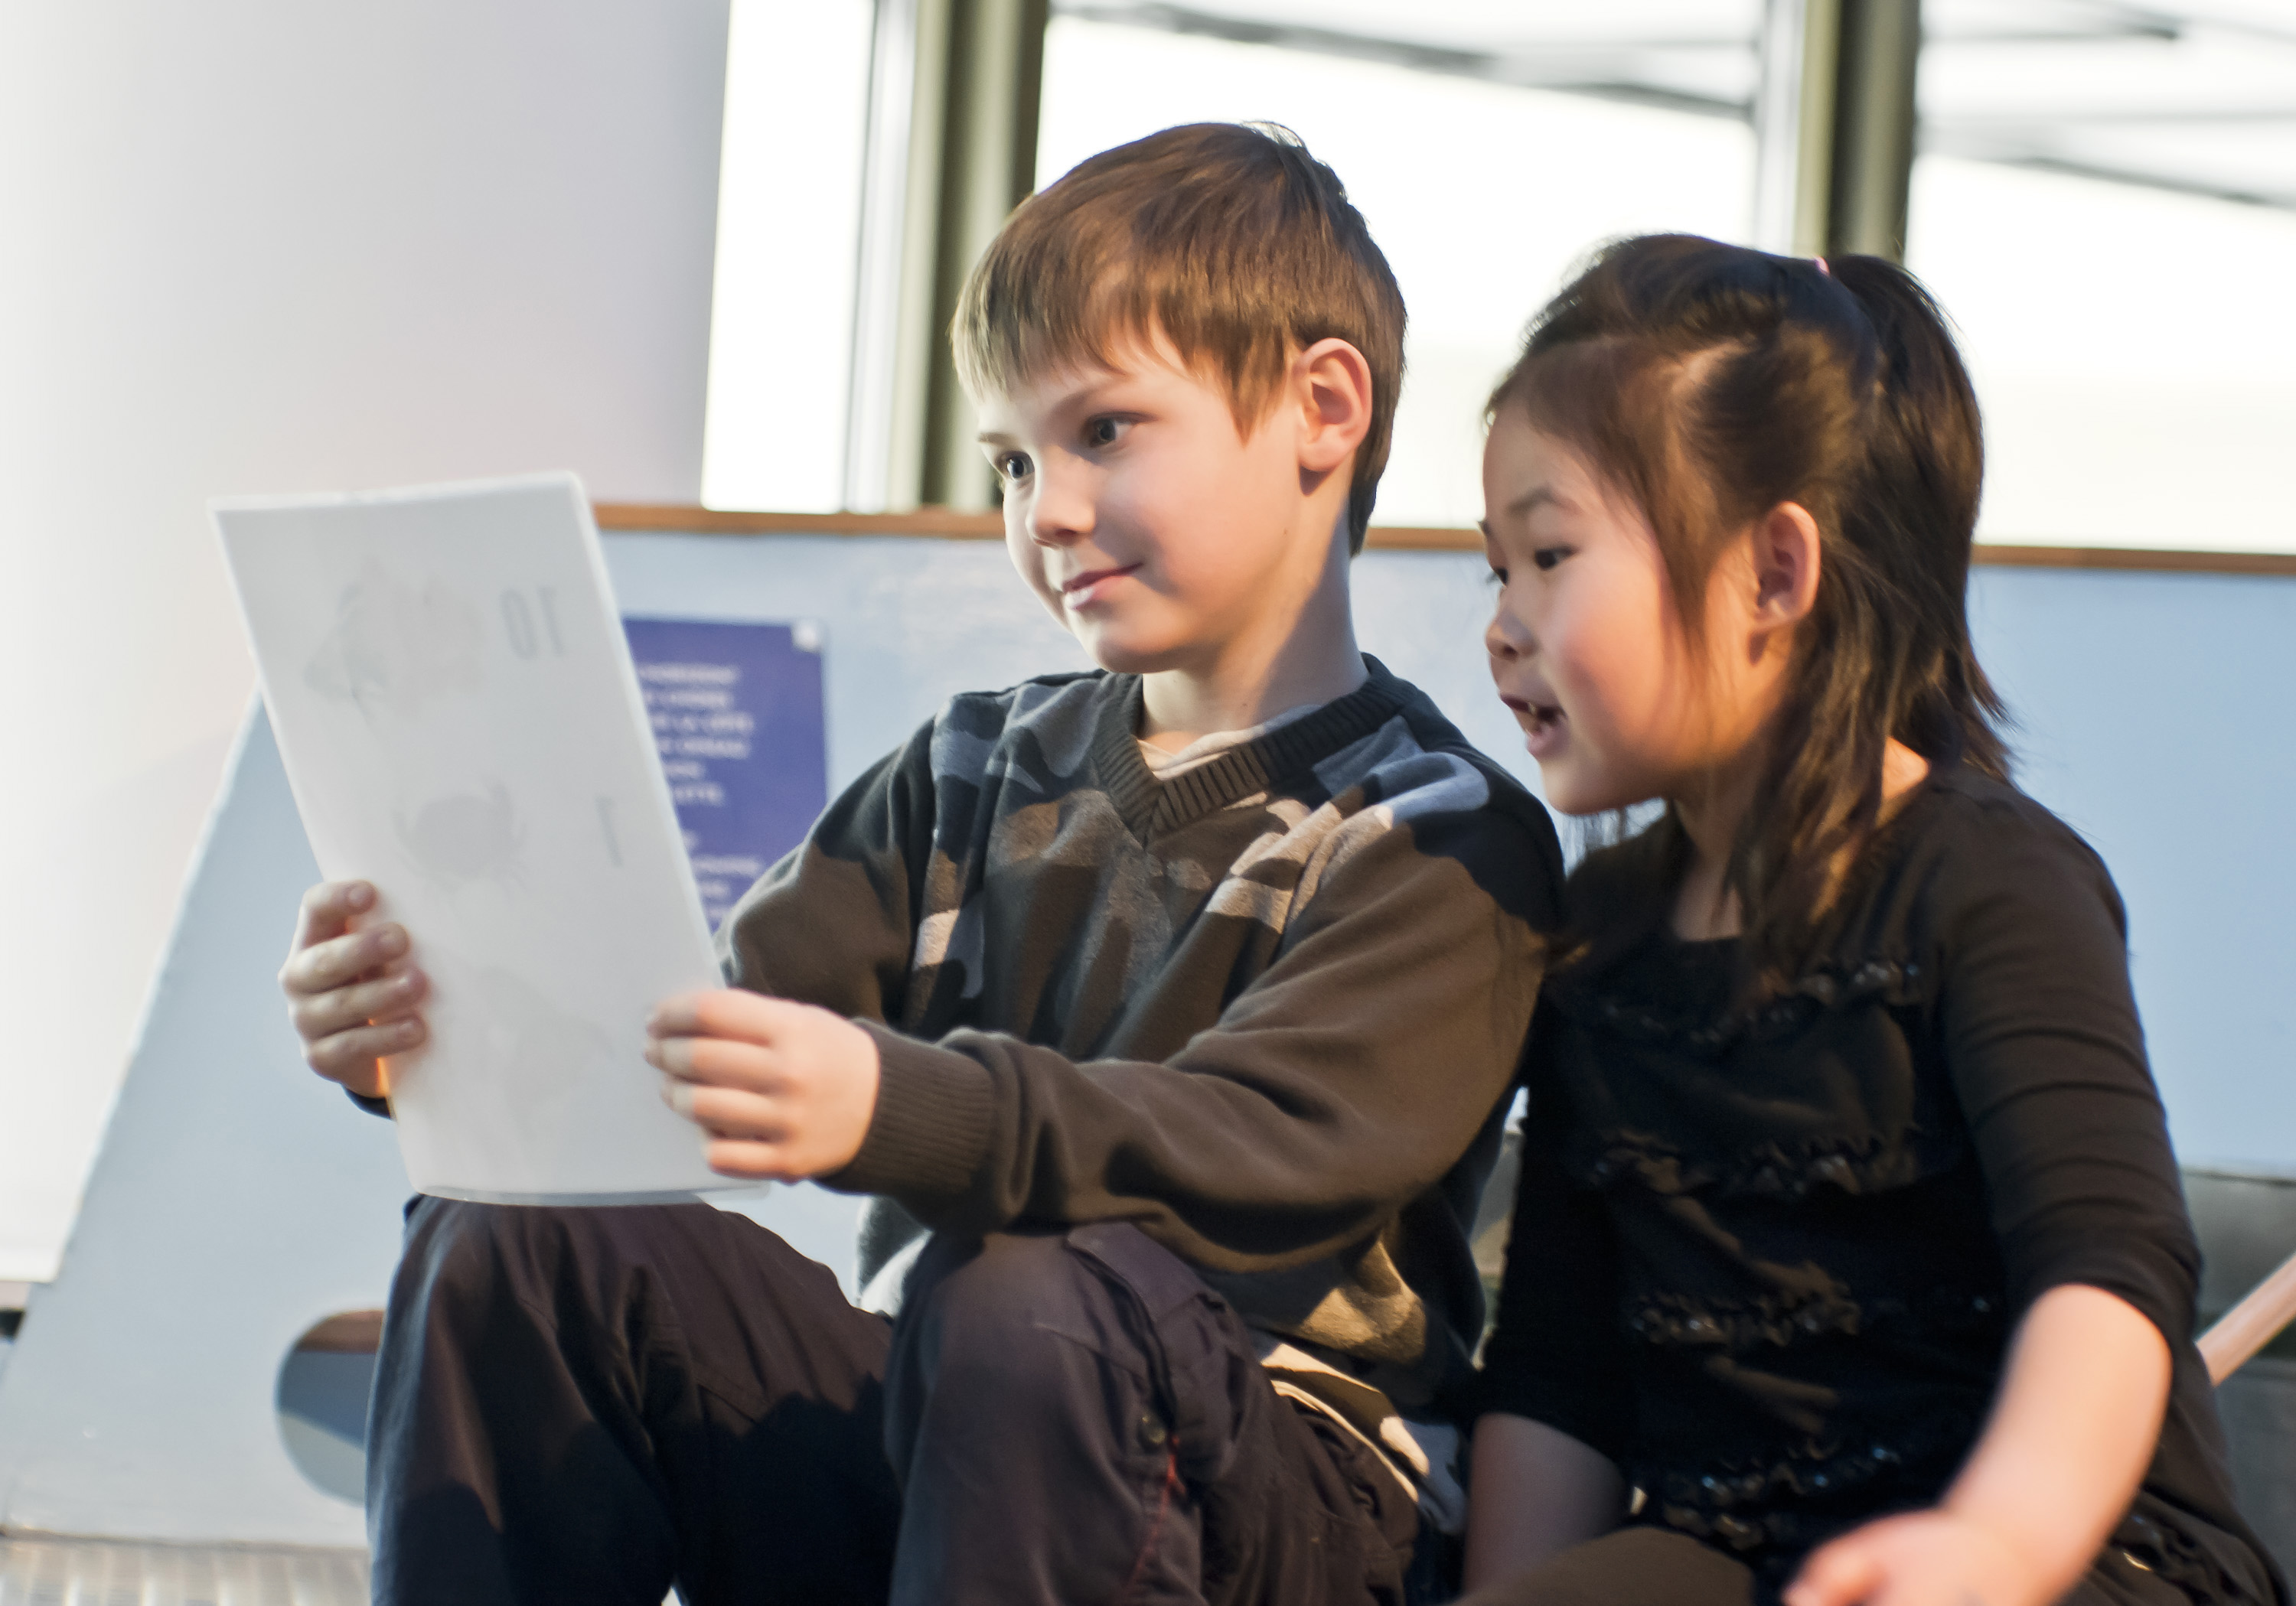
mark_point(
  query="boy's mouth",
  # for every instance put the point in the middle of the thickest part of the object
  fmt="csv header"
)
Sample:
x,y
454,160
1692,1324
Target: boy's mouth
x,y
1079,591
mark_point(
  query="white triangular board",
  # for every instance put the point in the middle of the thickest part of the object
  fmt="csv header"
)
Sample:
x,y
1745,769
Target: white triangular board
x,y
236,1200
232,1206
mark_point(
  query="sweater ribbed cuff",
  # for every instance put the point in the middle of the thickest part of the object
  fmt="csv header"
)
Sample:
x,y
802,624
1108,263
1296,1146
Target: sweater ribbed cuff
x,y
929,1136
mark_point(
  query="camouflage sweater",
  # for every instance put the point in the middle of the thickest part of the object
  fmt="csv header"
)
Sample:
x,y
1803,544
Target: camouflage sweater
x,y
1264,1008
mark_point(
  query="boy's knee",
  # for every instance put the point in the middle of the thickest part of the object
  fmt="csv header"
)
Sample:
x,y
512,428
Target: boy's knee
x,y
991,1296
455,1239
1017,1342
464,1252
1109,1288
1051,1322
1018,1278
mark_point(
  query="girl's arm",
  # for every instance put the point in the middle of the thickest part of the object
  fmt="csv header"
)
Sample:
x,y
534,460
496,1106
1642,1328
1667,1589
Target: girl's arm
x,y
1536,1491
2040,1036
2072,1433
1557,1406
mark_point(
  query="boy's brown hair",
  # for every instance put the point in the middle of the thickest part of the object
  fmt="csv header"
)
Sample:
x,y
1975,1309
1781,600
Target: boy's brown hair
x,y
1229,240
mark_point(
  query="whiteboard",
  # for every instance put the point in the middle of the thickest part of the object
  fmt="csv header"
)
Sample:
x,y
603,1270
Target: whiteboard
x,y
447,673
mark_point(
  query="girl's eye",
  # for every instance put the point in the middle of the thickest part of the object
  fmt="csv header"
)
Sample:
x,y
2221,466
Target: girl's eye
x,y
1547,557
1103,431
1014,465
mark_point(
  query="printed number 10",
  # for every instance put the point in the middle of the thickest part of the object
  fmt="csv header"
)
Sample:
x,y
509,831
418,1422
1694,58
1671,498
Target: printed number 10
x,y
518,620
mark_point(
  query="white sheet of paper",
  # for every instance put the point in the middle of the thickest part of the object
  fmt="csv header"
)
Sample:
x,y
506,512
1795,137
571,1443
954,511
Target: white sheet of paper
x,y
452,693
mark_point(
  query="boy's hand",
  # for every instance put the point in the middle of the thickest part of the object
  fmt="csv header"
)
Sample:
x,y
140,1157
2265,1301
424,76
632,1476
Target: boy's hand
x,y
785,1090
353,995
1933,1558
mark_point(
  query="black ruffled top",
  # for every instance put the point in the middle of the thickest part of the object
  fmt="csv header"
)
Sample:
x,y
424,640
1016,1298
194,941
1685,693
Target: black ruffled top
x,y
1768,1259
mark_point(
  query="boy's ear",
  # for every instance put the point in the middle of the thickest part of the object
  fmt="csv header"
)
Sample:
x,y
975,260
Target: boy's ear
x,y
1786,553
1331,384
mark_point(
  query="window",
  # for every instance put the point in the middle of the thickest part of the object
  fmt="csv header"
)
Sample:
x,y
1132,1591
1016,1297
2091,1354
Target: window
x,y
789,224
1481,188
2106,204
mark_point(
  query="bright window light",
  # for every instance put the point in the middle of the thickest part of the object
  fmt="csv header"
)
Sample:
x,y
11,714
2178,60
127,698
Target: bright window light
x,y
2106,204
2132,350
789,220
1482,195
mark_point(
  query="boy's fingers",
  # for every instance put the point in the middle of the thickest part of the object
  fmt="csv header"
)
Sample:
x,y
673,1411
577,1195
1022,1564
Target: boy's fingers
x,y
677,1017
352,1051
389,998
352,1057
717,1061
708,1109
721,1013
731,1157
329,908
725,1112
329,965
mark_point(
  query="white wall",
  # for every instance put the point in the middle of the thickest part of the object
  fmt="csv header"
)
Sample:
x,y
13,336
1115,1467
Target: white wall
x,y
257,245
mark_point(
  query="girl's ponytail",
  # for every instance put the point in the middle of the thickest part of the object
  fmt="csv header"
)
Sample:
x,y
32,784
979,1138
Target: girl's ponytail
x,y
1926,459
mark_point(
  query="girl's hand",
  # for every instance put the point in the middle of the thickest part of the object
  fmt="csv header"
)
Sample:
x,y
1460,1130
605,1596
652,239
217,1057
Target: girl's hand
x,y
1933,1558
785,1090
2071,1433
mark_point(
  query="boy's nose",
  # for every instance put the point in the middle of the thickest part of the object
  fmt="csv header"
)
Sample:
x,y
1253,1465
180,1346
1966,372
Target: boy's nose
x,y
1058,516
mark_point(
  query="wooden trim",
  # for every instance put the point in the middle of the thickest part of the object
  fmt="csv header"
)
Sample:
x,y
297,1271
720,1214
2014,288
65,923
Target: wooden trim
x,y
1411,538
347,1332
668,518
2149,560
2250,1324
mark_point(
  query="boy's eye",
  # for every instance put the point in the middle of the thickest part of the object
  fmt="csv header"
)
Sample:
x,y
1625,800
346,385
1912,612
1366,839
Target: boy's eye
x,y
1014,465
1103,431
1547,557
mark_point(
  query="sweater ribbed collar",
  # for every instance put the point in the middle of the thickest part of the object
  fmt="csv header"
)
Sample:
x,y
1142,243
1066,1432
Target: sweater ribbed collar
x,y
1151,805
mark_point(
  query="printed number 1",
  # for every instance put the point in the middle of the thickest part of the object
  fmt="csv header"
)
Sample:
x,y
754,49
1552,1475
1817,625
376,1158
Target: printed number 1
x,y
606,825
518,620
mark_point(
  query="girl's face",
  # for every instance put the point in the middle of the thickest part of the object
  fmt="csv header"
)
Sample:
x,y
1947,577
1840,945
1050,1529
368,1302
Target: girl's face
x,y
1584,644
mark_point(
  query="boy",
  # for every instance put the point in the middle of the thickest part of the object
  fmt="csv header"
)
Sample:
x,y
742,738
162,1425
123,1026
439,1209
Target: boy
x,y
1165,1008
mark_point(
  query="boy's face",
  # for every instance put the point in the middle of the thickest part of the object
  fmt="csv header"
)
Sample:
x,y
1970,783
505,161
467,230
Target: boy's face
x,y
1159,534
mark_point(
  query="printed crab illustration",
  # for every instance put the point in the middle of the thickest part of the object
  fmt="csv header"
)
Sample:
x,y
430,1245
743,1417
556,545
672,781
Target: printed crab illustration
x,y
464,837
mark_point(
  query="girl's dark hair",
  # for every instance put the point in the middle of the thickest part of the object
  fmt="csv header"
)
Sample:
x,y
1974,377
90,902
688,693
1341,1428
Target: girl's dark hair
x,y
1711,383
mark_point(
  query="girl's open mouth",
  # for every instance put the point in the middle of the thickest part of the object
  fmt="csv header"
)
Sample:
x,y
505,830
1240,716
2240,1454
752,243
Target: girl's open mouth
x,y
1542,723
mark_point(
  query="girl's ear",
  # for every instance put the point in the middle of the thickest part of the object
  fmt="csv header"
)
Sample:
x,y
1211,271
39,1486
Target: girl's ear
x,y
1786,556
1331,383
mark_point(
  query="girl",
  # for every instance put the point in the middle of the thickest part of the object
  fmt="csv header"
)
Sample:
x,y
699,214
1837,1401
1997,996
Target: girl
x,y
1850,1259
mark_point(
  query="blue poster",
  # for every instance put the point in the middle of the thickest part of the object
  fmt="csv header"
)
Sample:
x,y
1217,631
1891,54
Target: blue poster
x,y
737,715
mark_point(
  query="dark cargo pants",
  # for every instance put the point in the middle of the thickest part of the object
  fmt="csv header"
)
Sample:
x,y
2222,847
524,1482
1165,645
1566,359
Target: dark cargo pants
x,y
582,1405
